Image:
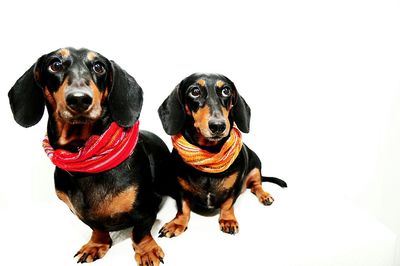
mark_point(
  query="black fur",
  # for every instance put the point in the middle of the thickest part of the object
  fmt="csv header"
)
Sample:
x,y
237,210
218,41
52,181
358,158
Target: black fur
x,y
172,113
216,96
125,102
147,170
27,112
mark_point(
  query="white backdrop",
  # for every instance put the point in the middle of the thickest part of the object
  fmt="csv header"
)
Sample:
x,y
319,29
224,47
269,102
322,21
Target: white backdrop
x,y
322,79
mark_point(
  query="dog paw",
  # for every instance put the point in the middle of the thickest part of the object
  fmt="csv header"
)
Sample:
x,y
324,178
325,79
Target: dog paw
x,y
152,258
149,254
91,252
266,199
172,229
229,226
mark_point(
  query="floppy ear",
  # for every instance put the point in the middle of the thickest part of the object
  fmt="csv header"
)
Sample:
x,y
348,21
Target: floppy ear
x,y
125,98
172,113
241,114
27,99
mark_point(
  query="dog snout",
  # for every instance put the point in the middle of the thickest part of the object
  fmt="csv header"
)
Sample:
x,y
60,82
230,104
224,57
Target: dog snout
x,y
217,126
79,100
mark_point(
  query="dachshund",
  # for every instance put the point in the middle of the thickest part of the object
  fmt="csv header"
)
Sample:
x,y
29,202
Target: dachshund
x,y
110,174
204,114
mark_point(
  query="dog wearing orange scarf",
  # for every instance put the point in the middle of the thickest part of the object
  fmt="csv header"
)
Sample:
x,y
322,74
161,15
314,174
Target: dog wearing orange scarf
x,y
205,116
110,174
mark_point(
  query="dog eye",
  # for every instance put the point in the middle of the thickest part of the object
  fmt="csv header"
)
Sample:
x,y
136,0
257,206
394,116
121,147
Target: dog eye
x,y
56,66
99,68
195,92
226,92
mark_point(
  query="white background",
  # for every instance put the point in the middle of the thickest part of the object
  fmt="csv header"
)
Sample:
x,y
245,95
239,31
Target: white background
x,y
322,79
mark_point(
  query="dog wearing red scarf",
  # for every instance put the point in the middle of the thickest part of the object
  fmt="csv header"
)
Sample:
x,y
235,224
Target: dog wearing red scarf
x,y
205,114
110,174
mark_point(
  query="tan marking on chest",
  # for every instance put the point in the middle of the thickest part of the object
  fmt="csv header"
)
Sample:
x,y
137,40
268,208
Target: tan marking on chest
x,y
64,197
229,181
185,185
120,203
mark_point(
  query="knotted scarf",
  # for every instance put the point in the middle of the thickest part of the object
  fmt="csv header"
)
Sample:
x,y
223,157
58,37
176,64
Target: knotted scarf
x,y
100,153
206,161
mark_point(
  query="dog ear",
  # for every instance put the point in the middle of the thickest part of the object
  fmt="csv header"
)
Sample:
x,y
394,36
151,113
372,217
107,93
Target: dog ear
x,y
172,113
241,113
125,98
26,98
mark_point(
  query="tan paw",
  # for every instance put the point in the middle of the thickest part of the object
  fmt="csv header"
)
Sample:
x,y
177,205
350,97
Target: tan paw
x,y
91,252
172,229
148,253
229,226
265,198
151,258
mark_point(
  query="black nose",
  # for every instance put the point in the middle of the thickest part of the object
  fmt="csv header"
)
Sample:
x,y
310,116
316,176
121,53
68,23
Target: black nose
x,y
216,127
79,101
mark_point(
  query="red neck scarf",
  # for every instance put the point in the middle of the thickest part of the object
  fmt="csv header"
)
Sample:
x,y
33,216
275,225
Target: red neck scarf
x,y
206,161
100,153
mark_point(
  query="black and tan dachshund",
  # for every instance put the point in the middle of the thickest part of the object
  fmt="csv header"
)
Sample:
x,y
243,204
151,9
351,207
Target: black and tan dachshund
x,y
212,165
85,94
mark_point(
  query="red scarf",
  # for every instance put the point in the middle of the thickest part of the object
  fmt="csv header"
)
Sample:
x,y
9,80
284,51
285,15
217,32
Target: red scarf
x,y
100,153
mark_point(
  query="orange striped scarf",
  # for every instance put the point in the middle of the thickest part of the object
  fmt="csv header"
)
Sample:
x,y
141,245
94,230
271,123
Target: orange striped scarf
x,y
206,161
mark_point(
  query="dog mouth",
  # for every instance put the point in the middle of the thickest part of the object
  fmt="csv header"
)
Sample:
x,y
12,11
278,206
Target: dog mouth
x,y
74,118
79,121
212,137
215,138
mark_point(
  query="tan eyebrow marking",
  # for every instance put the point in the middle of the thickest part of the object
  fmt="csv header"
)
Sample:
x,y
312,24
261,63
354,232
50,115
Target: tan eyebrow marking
x,y
201,82
91,55
64,52
220,83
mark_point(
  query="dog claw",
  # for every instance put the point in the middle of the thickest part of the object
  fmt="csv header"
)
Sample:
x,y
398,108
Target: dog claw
x,y
161,233
165,233
91,252
83,258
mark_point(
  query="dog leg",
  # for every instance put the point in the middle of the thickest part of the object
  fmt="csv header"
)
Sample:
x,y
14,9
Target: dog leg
x,y
253,181
147,252
179,224
96,248
227,220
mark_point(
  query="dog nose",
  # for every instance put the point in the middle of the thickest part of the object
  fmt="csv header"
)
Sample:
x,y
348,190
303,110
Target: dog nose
x,y
217,127
79,101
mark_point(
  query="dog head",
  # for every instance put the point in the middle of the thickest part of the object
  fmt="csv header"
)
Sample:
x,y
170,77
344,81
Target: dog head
x,y
209,102
77,86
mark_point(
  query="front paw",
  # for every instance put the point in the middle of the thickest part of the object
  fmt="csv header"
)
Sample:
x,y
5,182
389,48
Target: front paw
x,y
148,253
152,257
172,229
91,252
229,226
